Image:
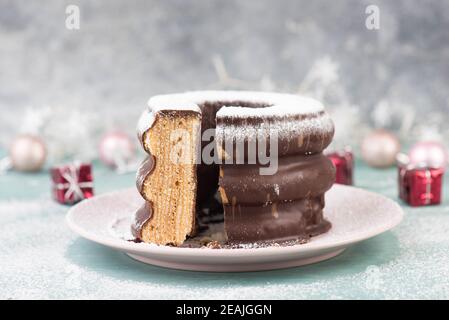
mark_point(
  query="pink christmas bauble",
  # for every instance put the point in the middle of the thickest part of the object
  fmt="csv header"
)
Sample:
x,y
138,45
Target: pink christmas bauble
x,y
27,153
379,148
116,149
429,153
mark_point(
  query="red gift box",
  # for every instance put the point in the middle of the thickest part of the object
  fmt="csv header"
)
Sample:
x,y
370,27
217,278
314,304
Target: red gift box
x,y
420,184
72,183
344,166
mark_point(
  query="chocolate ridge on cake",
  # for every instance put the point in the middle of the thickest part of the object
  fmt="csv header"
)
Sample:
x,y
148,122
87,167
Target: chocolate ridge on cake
x,y
284,205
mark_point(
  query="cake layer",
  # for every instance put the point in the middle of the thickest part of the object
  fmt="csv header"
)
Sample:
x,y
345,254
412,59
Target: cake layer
x,y
167,179
296,178
277,221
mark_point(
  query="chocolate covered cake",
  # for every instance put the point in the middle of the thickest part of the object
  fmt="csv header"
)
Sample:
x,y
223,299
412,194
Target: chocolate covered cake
x,y
261,151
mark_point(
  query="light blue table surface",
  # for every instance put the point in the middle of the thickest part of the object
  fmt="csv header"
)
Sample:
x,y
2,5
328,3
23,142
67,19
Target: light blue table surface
x,y
41,258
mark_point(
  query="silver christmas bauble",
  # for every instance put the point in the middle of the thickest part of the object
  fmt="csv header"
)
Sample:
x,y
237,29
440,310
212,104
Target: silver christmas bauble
x,y
379,148
27,153
116,149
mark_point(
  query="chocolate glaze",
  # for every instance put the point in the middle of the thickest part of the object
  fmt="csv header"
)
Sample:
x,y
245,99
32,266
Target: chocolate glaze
x,y
297,177
141,216
281,221
142,173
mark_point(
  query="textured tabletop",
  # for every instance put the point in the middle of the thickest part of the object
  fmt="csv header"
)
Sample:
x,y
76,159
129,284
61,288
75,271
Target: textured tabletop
x,y
41,258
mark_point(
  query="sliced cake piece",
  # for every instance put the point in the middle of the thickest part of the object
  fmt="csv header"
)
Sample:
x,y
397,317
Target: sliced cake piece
x,y
169,186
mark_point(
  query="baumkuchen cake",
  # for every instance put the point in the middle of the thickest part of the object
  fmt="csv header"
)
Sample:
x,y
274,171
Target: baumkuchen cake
x,y
261,151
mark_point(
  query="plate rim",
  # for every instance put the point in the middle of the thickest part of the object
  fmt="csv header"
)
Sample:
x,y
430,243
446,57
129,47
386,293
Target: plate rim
x,y
128,246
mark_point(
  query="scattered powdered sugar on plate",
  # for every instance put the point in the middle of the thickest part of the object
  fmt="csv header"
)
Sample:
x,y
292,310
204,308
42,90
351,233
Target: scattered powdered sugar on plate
x,y
121,228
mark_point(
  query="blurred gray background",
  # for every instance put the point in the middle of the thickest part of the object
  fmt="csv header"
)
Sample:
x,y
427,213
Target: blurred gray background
x,y
125,51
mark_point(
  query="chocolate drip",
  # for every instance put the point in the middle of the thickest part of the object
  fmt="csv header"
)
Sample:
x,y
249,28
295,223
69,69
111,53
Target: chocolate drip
x,y
141,217
144,170
143,214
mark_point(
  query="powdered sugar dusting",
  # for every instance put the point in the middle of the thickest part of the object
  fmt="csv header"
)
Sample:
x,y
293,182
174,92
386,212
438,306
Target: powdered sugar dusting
x,y
159,103
281,106
276,188
281,103
284,127
300,106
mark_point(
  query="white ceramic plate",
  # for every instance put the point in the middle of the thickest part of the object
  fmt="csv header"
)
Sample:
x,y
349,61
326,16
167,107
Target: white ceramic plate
x,y
355,214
